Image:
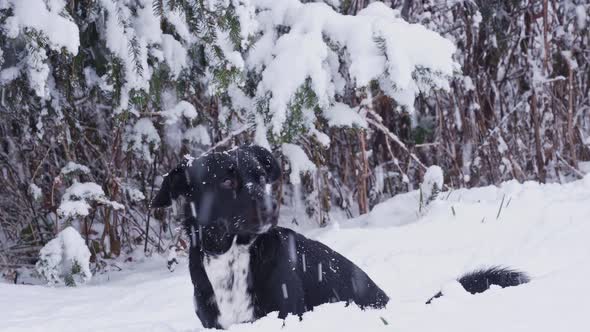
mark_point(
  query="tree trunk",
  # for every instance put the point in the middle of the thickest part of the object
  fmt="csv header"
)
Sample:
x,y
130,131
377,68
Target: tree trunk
x,y
407,5
363,177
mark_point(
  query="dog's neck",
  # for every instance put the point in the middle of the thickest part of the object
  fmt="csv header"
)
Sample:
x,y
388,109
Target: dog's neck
x,y
214,240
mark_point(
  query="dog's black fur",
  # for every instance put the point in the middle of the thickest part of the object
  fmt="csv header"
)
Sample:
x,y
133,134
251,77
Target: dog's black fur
x,y
228,201
228,198
480,280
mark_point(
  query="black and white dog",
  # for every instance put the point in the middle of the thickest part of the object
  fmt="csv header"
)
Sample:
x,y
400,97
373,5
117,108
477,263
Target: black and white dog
x,y
242,265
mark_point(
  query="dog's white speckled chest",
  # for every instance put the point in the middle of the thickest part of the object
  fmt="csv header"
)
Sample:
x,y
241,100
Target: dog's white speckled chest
x,y
228,274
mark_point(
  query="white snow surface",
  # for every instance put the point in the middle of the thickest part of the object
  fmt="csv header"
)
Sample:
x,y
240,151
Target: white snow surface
x,y
541,229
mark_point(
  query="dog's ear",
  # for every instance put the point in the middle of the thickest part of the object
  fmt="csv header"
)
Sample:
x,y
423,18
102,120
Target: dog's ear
x,y
174,185
266,159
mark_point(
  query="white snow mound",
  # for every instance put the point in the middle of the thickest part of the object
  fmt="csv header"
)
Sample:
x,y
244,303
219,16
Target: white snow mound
x,y
65,256
541,229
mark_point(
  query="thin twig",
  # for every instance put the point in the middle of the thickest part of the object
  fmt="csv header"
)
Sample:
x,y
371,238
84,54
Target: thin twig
x,y
572,168
229,137
501,205
149,202
41,162
394,138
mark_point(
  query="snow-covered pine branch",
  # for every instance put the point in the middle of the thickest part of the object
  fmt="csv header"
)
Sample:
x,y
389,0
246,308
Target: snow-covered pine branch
x,y
284,62
301,48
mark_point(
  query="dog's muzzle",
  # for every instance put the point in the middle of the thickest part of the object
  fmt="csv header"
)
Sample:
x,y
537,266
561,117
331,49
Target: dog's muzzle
x,y
267,210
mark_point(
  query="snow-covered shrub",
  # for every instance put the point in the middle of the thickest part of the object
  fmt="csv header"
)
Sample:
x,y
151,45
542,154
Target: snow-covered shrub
x,y
431,185
288,60
78,197
74,168
35,191
65,259
125,87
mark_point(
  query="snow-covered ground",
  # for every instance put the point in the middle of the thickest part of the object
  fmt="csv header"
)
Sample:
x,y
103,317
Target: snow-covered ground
x,y
543,230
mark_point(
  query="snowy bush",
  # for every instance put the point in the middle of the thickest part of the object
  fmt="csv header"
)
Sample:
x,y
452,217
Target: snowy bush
x,y
35,191
65,259
375,45
431,185
73,168
126,87
78,197
252,51
141,77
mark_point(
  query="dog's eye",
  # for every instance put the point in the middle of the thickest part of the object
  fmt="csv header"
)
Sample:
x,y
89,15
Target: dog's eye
x,y
227,184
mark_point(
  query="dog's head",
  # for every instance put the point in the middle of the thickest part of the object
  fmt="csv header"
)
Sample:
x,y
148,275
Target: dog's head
x,y
230,190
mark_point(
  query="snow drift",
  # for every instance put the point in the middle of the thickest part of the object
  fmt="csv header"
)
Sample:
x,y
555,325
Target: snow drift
x,y
541,229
